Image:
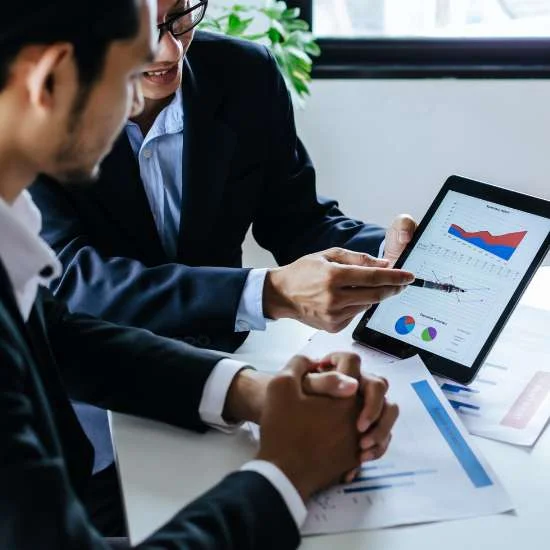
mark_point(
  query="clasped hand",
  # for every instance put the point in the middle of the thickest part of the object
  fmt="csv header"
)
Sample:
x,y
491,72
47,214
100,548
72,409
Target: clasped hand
x,y
321,420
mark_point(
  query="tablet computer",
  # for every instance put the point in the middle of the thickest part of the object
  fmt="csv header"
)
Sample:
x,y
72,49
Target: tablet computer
x,y
473,254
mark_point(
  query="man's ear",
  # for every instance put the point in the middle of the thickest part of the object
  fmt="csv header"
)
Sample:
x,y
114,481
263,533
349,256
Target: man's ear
x,y
51,66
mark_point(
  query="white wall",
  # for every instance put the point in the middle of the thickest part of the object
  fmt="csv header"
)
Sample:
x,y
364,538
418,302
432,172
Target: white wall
x,y
386,146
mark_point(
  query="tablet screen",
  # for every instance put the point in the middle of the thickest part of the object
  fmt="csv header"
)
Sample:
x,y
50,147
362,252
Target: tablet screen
x,y
479,246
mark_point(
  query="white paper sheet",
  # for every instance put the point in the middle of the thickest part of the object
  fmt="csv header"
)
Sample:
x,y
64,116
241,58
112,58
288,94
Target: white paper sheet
x,y
431,472
510,398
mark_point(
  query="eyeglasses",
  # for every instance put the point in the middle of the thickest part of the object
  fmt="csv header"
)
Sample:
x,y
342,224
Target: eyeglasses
x,y
183,22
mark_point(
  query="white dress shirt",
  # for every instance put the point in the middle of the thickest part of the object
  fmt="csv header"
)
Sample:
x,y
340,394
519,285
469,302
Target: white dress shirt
x,y
30,262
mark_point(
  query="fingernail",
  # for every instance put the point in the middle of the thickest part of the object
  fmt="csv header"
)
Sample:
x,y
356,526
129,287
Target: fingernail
x,y
409,278
347,384
368,457
403,237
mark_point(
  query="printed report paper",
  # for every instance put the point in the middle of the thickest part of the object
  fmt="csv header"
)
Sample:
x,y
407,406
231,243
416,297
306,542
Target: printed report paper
x,y
431,472
509,400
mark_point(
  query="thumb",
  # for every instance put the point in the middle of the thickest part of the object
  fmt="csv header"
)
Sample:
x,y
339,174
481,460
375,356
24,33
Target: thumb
x,y
298,367
402,229
398,235
349,257
331,384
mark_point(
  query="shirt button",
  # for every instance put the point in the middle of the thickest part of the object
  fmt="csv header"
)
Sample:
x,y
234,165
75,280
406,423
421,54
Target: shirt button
x,y
147,153
243,325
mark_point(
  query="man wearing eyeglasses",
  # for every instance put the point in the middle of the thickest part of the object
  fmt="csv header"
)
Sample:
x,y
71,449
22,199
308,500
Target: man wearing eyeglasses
x,y
156,241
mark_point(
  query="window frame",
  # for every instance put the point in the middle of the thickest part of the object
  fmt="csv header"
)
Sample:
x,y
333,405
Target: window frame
x,y
475,58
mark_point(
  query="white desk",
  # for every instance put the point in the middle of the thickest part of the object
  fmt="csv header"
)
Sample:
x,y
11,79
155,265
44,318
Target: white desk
x,y
162,468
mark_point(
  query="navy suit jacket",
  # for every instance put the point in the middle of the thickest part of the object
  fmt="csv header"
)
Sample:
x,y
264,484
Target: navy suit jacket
x,y
246,167
46,459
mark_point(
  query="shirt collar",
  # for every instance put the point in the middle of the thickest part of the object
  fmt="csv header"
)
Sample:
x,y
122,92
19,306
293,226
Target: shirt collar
x,y
168,121
23,252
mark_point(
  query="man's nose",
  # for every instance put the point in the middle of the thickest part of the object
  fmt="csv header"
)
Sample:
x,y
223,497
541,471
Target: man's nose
x,y
170,49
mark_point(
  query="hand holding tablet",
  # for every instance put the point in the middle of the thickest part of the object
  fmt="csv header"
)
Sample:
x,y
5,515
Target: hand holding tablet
x,y
473,255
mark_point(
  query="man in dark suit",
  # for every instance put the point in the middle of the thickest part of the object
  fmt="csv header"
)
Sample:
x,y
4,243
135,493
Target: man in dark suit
x,y
156,241
58,76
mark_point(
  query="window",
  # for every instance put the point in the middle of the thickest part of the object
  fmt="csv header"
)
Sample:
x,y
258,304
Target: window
x,y
422,38
431,18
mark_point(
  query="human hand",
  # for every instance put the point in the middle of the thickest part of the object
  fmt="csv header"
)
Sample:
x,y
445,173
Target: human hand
x,y
376,417
313,439
247,393
398,236
326,290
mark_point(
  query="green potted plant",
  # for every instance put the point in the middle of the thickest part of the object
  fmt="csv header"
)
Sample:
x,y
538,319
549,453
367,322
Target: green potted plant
x,y
280,29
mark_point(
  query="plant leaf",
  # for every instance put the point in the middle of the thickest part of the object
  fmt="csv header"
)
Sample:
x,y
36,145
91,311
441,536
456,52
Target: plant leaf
x,y
291,13
274,36
236,25
287,37
299,54
312,48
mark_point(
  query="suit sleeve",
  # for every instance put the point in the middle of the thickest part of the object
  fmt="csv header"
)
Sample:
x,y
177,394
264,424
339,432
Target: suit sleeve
x,y
171,299
39,509
294,220
126,369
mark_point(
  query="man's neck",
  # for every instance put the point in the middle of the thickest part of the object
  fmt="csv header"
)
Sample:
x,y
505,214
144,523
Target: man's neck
x,y
151,111
16,173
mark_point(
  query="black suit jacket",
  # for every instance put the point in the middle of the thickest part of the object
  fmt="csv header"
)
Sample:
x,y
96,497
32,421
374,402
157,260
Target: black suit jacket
x,y
245,166
46,460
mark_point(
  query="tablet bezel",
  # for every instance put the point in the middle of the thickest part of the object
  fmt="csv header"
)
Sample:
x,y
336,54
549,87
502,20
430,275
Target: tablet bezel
x,y
440,365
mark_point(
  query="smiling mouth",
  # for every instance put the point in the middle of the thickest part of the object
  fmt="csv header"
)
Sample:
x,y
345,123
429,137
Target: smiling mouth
x,y
162,77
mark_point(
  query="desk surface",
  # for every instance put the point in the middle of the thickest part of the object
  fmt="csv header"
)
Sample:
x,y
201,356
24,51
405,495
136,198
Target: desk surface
x,y
163,468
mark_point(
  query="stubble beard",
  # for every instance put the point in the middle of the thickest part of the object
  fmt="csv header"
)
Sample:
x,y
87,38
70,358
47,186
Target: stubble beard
x,y
72,170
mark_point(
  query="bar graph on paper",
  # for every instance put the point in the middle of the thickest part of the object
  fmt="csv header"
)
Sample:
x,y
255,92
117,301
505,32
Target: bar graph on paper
x,y
429,463
509,400
370,487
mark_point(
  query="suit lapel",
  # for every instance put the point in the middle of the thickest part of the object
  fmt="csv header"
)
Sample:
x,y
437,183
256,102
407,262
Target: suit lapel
x,y
44,384
209,148
76,447
121,192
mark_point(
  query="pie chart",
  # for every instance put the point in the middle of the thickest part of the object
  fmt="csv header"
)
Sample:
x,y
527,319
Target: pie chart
x,y
405,325
429,334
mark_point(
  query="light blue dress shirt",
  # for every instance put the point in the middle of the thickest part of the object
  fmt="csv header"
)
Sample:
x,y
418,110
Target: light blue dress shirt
x,y
161,160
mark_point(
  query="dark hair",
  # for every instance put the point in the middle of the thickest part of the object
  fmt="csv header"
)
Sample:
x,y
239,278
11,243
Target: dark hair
x,y
91,26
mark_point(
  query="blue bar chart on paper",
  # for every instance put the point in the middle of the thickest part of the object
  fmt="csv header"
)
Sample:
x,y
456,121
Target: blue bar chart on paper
x,y
430,472
460,398
509,400
380,478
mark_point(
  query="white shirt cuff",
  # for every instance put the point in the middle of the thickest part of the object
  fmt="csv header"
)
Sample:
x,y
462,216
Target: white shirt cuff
x,y
381,249
288,492
250,312
215,392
